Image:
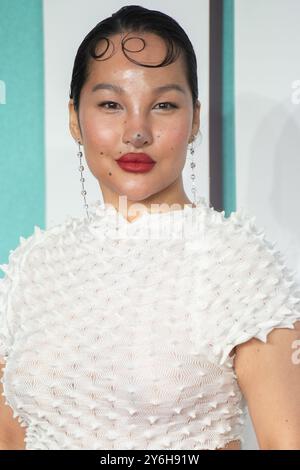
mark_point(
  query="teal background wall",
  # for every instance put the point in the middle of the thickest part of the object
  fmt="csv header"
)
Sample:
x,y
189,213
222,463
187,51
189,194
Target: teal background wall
x,y
229,170
22,159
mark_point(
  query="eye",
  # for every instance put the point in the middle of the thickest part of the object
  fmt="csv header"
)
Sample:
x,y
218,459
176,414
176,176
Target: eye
x,y
172,105
104,103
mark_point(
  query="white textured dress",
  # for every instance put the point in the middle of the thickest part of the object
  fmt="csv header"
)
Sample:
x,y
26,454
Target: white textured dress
x,y
117,334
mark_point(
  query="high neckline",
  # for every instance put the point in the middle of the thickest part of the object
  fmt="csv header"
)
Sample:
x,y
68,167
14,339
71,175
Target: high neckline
x,y
106,221
99,207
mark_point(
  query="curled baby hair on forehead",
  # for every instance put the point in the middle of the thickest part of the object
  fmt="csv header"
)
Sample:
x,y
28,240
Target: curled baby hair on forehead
x,y
134,19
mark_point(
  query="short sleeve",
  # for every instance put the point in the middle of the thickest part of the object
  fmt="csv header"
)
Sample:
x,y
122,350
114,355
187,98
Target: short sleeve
x,y
9,285
261,292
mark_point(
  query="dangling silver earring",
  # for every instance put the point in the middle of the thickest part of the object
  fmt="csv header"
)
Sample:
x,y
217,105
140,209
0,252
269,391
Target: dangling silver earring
x,y
193,166
81,168
193,176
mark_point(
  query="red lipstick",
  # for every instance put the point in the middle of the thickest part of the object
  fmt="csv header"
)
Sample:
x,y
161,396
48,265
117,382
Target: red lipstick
x,y
136,162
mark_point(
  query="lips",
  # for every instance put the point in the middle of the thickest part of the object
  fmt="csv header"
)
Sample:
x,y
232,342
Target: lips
x,y
136,162
136,157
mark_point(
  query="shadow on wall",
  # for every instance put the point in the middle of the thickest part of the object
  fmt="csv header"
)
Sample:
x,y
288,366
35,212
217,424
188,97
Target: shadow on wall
x,y
272,189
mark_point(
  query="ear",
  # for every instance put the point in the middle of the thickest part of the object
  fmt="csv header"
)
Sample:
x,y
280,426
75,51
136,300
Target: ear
x,y
73,122
196,118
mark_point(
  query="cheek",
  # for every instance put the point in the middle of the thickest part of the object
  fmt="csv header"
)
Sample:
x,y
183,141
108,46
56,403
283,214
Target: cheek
x,y
97,132
179,138
175,140
177,132
174,147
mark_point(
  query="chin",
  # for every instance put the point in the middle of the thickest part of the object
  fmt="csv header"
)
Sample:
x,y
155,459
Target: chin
x,y
134,197
134,191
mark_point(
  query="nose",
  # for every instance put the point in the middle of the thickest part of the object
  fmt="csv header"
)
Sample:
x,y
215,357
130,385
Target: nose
x,y
138,136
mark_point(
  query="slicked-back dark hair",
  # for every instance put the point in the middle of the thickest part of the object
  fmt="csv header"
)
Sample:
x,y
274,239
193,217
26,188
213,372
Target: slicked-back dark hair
x,y
134,18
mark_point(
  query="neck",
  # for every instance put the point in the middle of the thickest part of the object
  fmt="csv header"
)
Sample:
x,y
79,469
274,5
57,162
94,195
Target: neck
x,y
171,198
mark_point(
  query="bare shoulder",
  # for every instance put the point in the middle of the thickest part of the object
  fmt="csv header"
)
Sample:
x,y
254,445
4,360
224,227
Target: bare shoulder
x,y
269,377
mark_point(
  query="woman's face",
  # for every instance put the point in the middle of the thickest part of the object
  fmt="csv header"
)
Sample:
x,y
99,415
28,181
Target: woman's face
x,y
107,131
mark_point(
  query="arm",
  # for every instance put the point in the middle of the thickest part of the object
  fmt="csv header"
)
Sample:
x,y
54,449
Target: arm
x,y
11,433
269,377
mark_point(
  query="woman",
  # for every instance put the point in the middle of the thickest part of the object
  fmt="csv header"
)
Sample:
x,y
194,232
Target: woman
x,y
145,328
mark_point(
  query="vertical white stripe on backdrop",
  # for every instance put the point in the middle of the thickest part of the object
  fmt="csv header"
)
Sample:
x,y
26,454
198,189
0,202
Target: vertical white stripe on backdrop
x,y
66,22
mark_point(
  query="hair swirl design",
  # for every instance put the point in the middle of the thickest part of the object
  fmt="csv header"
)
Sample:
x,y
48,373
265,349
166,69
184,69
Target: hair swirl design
x,y
170,57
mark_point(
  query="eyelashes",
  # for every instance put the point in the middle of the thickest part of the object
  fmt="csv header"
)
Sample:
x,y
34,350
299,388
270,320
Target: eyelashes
x,y
104,103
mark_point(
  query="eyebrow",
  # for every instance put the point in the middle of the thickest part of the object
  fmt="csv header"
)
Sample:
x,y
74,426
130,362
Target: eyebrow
x,y
119,90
